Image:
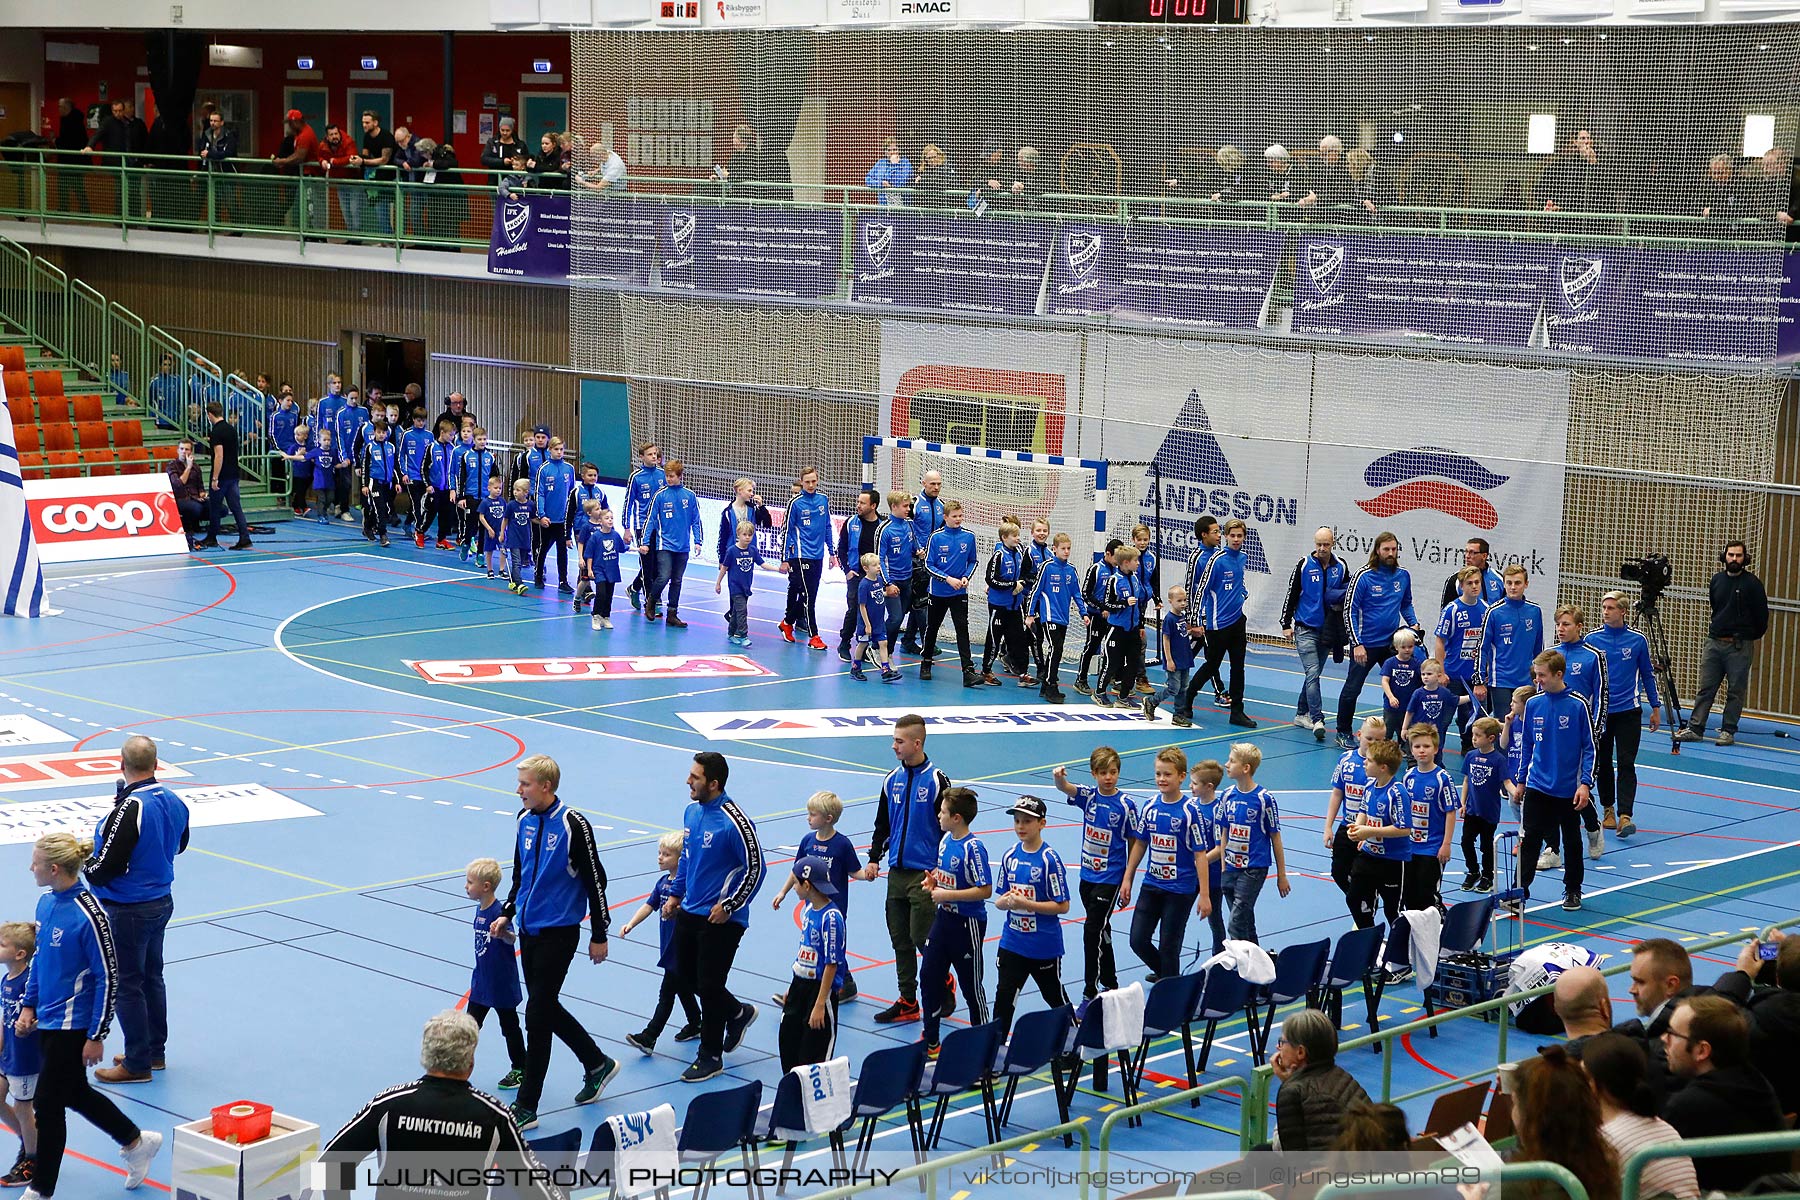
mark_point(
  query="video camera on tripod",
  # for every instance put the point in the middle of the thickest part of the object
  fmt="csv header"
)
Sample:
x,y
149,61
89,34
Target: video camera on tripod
x,y
1653,573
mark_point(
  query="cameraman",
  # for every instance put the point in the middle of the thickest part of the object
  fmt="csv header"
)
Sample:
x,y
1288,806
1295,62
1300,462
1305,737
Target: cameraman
x,y
1740,616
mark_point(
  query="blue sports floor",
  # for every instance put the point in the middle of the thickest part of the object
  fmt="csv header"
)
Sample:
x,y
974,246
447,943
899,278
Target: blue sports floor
x,y
306,952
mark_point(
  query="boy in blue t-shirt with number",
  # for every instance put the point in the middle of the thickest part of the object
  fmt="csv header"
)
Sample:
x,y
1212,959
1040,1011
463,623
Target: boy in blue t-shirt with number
x,y
1399,678
1484,778
1033,891
491,514
1203,789
494,986
1107,815
1434,703
737,563
521,512
1248,826
871,622
20,1058
1169,833
1177,651
1382,835
668,857
809,1017
823,841
960,886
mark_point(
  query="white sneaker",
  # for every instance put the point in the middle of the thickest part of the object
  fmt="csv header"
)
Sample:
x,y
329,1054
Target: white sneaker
x,y
139,1157
30,1193
1596,843
1549,860
596,625
1318,725
1302,722
606,622
350,517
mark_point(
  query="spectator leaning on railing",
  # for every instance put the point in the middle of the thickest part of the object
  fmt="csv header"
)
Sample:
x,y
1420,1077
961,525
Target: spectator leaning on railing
x,y
936,185
891,174
498,154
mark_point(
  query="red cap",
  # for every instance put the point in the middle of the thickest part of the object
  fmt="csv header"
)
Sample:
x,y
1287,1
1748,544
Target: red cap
x,y
294,114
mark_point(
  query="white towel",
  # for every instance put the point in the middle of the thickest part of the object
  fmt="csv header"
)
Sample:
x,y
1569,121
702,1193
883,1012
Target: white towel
x,y
824,1098
1247,959
646,1143
1426,926
1121,1016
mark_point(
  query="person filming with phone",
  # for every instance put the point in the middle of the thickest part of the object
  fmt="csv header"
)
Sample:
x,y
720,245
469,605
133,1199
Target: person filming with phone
x,y
1766,983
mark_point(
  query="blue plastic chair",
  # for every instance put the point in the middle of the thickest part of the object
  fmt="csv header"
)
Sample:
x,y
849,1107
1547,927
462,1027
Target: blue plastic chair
x,y
556,1146
965,1061
1223,995
1356,959
1039,1039
602,1152
889,1078
1465,928
1299,973
789,1114
1169,1008
718,1121
1090,1036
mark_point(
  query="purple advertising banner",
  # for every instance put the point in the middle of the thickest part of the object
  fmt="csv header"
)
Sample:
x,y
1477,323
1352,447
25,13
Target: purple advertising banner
x,y
530,237
965,264
1209,277
1446,289
743,251
1723,306
613,238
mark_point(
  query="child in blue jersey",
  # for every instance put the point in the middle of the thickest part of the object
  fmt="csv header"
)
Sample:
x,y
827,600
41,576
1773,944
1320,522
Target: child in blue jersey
x,y
1093,591
521,512
1167,832
823,841
959,886
668,856
1008,571
809,1018
1248,826
1177,653
1149,570
1349,780
490,518
871,622
1433,703
1432,818
1484,779
584,572
1055,590
1203,790
950,560
1032,889
1512,740
1399,678
1038,548
737,564
1383,838
300,470
1125,601
495,984
324,474
20,1058
1106,820
601,554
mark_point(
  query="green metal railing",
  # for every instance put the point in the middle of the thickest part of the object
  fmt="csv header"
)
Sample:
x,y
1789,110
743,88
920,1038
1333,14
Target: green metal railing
x,y
928,1171
1133,1112
1547,1172
1631,1174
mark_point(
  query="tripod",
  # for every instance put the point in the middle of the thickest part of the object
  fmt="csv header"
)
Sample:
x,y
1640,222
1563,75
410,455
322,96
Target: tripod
x,y
1649,623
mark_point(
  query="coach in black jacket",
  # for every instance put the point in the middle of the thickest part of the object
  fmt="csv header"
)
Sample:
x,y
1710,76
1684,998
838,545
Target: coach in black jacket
x,y
1740,616
855,539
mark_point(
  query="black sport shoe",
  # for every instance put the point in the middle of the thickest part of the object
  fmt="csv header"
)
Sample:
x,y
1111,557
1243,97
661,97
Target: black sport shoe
x,y
688,1033
642,1042
948,1008
512,1079
1572,902
595,1081
1081,687
702,1069
925,669
735,1028
21,1174
898,1013
850,991
523,1118
1469,881
1242,720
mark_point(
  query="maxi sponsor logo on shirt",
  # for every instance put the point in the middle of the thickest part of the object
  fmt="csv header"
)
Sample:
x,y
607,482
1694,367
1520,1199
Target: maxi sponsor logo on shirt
x,y
228,804
769,724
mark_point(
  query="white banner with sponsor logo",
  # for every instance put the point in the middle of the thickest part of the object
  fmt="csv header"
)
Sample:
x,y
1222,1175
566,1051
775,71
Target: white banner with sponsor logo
x,y
575,670
756,725
229,804
17,729
106,517
1294,440
36,772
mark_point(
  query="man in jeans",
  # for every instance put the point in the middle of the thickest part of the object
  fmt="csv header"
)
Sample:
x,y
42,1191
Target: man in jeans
x,y
1313,615
131,872
224,488
1740,616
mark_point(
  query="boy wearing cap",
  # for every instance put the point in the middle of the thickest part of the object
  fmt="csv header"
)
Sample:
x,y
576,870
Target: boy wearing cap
x,y
1032,889
809,1018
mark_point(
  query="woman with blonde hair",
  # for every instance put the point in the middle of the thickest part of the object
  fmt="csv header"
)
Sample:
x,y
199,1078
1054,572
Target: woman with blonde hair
x,y
936,186
69,1005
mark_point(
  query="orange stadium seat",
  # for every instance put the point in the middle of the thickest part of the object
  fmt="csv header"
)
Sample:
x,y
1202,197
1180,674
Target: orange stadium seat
x,y
18,390
59,437
135,460
93,435
53,410
65,464
100,464
47,383
12,358
28,437
88,408
31,466
127,433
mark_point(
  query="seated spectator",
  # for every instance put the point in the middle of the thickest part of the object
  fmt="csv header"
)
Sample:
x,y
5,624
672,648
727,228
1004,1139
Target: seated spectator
x,y
1558,1120
1326,181
1309,1108
1023,190
936,185
1576,180
1709,1047
745,164
1367,1131
1282,183
1583,1007
891,173
1364,188
1773,1007
186,482
1226,180
1661,974
1619,1075
1720,197
612,170
1769,193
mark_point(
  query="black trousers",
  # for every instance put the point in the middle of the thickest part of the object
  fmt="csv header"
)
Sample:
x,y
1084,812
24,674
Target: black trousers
x,y
1100,973
1120,660
509,1029
801,1044
1373,879
665,1003
1005,640
63,1086
1158,928
1047,648
1622,734
1541,814
1343,859
704,953
955,943
1419,879
1478,832
1222,644
546,956
958,608
1013,971
803,593
850,616
415,491
302,476
380,507
1096,639
554,532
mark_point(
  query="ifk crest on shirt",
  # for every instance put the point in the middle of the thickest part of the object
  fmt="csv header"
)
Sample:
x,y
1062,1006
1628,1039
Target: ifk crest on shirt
x,y
681,230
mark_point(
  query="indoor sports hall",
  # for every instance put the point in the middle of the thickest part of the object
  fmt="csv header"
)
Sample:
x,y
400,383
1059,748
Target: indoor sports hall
x,y
897,317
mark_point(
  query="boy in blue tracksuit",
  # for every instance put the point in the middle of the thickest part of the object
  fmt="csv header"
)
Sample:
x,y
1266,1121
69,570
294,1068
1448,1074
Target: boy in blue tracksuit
x,y
459,454
415,448
490,521
675,528
600,555
20,1057
1177,654
737,564
871,622
1217,609
580,496
805,545
1558,759
1512,634
1054,591
1008,572
896,543
927,518
1376,604
379,470
521,514
1107,815
1584,673
1125,601
1150,569
1038,548
641,486
474,469
551,489
1093,592
950,560
282,423
1459,644
1248,825
440,483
